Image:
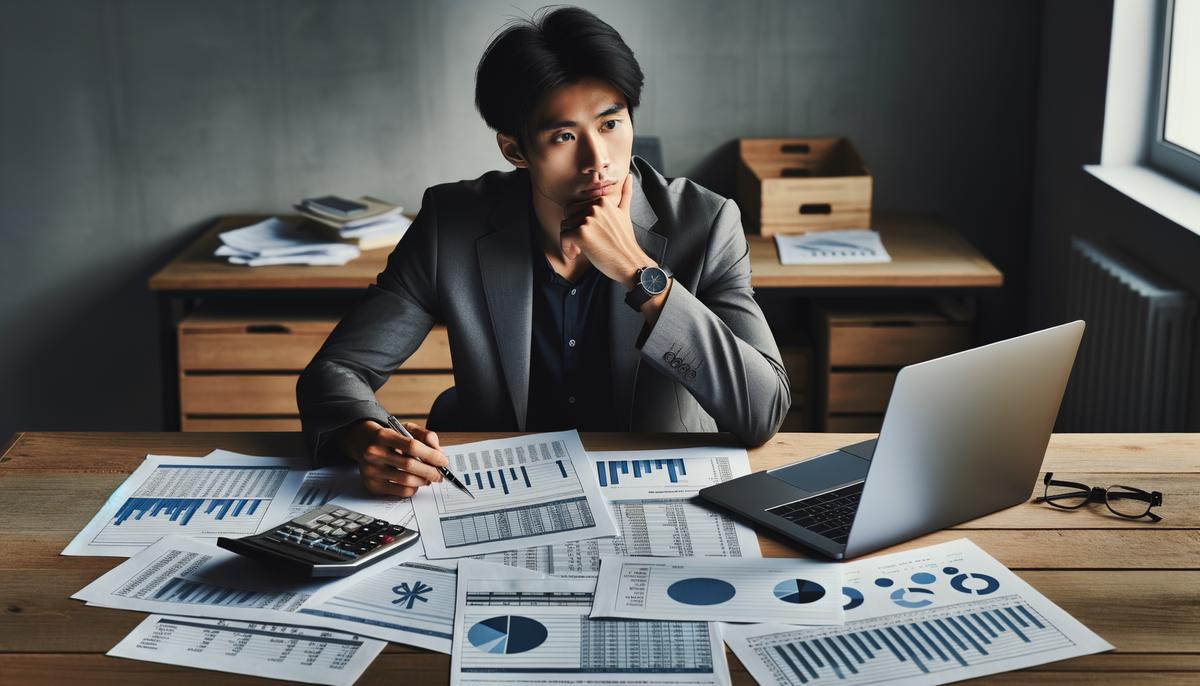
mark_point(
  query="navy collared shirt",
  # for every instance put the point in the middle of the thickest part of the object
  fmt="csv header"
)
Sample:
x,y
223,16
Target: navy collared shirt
x,y
569,364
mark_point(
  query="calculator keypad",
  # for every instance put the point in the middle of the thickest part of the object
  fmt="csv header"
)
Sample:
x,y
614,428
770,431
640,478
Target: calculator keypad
x,y
338,531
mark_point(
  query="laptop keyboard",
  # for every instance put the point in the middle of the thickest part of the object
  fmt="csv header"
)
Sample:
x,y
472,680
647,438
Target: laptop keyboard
x,y
829,514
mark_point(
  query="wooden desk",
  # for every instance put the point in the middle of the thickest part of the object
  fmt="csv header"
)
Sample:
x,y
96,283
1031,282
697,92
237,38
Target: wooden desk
x,y
925,254
1132,582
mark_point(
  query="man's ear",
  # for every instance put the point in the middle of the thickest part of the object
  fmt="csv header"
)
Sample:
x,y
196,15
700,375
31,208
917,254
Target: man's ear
x,y
511,149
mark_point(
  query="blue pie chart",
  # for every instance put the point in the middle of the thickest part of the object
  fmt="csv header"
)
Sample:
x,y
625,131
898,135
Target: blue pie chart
x,y
701,591
507,634
799,591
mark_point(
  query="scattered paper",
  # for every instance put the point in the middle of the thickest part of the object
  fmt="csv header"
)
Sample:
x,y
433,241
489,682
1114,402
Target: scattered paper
x,y
927,616
850,246
409,602
782,590
311,656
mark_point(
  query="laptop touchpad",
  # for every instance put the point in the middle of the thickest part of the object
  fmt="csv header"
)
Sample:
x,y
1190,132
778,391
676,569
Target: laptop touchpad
x,y
825,472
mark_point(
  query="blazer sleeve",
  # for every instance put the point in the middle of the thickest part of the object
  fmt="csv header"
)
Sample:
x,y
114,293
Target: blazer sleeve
x,y
338,386
716,342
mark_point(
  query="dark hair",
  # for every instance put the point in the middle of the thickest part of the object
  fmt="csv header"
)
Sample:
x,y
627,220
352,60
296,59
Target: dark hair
x,y
531,58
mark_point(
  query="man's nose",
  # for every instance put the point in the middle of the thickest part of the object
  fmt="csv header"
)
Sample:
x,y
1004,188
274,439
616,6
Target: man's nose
x,y
594,156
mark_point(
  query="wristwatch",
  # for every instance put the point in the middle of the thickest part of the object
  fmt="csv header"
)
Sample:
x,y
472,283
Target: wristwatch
x,y
647,283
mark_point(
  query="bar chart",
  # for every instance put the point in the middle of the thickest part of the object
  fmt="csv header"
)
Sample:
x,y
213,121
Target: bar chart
x,y
914,644
195,500
610,471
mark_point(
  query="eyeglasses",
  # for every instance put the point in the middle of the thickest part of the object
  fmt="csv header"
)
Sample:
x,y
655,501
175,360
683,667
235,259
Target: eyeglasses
x,y
1123,501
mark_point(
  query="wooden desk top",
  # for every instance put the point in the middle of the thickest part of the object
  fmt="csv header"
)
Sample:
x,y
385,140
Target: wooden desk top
x,y
925,254
1132,582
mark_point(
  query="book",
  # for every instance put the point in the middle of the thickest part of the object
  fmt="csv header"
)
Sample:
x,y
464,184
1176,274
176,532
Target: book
x,y
377,210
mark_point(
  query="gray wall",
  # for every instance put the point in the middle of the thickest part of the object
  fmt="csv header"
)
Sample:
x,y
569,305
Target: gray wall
x,y
1070,202
126,126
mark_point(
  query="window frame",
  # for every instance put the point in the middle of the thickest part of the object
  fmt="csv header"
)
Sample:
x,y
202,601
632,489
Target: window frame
x,y
1179,162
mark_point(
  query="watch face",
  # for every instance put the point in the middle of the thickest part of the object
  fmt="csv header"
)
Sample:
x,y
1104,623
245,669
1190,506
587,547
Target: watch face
x,y
654,280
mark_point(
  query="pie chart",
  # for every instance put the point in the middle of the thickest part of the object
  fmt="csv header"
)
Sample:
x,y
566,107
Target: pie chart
x,y
507,634
701,591
799,591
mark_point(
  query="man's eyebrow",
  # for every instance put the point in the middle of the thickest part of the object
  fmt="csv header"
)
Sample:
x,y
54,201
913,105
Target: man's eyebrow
x,y
550,126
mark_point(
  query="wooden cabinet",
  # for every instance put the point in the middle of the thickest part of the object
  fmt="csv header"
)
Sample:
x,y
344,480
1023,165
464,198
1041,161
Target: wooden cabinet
x,y
863,347
238,371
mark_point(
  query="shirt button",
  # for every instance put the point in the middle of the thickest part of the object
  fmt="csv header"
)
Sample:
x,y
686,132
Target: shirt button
x,y
571,399
571,342
572,291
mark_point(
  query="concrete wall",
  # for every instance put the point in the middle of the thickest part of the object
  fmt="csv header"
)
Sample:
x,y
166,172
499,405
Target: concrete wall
x,y
126,126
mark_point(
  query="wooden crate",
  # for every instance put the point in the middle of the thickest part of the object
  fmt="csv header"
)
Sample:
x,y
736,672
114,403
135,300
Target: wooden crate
x,y
793,185
862,348
238,370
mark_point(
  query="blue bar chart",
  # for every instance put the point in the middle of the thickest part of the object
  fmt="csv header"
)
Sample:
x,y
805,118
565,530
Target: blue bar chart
x,y
180,510
610,471
194,500
914,644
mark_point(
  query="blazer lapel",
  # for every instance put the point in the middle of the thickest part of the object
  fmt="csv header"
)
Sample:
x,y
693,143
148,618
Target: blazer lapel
x,y
624,323
507,271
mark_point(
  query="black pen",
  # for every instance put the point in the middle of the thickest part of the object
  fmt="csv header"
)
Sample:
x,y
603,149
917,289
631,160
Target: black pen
x,y
399,428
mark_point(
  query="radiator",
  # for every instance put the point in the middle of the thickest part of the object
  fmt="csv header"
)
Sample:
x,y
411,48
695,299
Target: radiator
x,y
1132,373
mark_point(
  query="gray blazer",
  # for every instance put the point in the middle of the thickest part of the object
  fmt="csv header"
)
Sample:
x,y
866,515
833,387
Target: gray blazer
x,y
710,362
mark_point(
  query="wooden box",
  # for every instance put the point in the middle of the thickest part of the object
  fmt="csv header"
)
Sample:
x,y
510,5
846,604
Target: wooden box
x,y
238,371
862,348
793,185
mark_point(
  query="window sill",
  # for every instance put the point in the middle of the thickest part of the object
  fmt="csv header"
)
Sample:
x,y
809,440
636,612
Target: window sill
x,y
1160,193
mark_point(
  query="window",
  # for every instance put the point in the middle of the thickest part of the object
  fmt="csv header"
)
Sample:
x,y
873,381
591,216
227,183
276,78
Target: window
x,y
1175,136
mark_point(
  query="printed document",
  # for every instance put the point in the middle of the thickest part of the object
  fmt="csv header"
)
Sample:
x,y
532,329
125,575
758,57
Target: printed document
x,y
927,616
184,576
783,590
520,630
277,651
218,495
849,246
529,490
650,495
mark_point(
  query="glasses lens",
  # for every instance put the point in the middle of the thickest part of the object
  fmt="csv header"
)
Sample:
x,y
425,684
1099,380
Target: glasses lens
x,y
1068,497
1127,502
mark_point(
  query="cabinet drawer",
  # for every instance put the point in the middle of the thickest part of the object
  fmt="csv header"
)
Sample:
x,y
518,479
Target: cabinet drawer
x,y
275,394
209,343
859,391
893,339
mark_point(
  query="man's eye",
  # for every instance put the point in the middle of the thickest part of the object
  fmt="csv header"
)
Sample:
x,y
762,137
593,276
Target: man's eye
x,y
614,123
557,138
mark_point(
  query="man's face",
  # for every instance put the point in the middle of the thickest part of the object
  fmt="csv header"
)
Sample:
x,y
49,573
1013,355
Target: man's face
x,y
579,143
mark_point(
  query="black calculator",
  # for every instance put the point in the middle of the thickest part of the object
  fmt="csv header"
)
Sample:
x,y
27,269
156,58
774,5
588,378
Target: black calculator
x,y
326,542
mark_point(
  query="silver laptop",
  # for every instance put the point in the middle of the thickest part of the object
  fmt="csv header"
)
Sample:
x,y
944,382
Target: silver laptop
x,y
964,435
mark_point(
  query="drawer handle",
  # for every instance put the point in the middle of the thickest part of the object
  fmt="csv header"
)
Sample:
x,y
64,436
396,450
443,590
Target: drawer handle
x,y
795,148
267,328
816,208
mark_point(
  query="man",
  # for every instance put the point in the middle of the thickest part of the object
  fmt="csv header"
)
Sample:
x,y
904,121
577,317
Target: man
x,y
581,290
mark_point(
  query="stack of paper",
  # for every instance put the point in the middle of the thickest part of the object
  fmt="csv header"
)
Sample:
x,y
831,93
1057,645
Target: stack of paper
x,y
381,225
275,241
850,246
